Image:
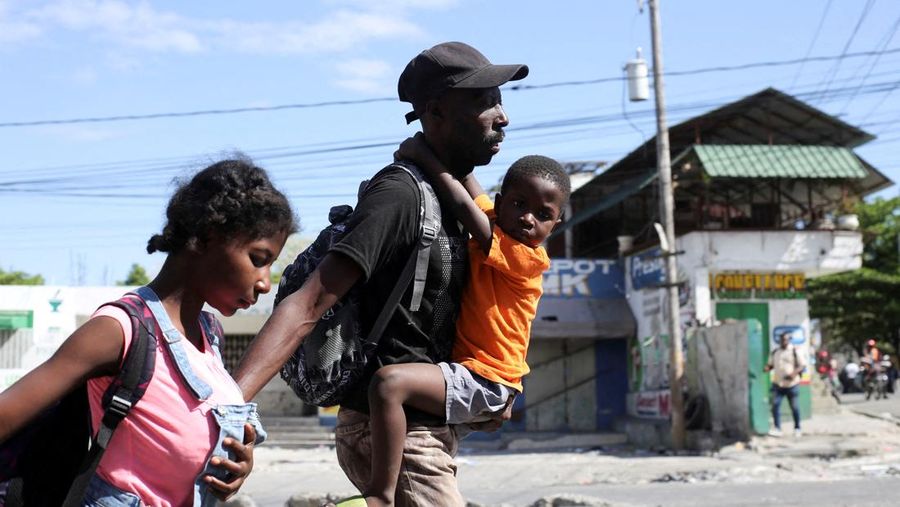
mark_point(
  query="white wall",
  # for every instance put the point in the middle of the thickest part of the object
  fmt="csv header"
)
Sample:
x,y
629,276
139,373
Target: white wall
x,y
73,307
56,311
813,253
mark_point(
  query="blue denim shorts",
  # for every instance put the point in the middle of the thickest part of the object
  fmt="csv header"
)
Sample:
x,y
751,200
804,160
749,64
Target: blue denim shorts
x,y
471,397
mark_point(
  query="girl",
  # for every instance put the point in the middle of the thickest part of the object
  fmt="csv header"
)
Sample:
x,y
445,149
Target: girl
x,y
224,229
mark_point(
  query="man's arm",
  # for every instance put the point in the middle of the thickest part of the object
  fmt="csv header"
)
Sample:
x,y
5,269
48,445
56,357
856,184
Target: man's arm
x,y
457,194
292,320
770,363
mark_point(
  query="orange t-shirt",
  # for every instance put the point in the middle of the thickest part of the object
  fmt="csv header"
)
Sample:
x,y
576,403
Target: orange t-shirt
x,y
498,305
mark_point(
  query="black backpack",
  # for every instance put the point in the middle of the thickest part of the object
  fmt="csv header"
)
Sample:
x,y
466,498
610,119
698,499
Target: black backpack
x,y
333,357
50,461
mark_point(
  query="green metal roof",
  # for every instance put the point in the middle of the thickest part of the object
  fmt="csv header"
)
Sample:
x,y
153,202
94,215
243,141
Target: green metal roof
x,y
776,161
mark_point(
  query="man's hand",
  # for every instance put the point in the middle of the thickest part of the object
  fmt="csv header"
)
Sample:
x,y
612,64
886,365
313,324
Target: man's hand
x,y
496,420
237,470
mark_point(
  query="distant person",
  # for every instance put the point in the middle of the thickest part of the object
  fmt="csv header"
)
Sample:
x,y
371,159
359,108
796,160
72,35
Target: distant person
x,y
507,262
454,91
788,364
225,226
851,380
871,352
825,367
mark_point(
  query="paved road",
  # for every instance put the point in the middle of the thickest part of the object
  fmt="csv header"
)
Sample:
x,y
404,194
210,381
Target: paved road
x,y
889,407
843,459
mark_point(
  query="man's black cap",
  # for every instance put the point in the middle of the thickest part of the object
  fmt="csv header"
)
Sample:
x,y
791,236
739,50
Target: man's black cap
x,y
451,65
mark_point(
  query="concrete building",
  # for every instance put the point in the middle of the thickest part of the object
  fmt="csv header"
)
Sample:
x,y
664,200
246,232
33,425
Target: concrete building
x,y
762,188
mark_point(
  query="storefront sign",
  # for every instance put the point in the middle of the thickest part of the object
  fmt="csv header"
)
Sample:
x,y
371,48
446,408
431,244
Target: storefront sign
x,y
584,278
653,403
648,269
798,337
758,285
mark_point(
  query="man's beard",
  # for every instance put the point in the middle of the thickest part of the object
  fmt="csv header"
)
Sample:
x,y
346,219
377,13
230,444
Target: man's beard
x,y
495,137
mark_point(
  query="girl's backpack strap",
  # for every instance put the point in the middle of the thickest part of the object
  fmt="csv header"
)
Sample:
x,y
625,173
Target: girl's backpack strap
x,y
126,389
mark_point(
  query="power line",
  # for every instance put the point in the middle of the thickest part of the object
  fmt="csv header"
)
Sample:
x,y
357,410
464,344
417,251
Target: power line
x,y
886,40
520,87
837,65
60,181
813,43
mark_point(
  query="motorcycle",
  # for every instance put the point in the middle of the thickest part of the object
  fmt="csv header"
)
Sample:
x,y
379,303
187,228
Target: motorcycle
x,y
875,378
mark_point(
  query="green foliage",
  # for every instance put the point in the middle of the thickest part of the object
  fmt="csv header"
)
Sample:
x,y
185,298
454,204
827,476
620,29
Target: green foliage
x,y
137,276
19,278
859,305
880,223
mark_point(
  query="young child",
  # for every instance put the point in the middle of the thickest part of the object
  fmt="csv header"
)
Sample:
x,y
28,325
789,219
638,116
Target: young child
x,y
506,267
225,227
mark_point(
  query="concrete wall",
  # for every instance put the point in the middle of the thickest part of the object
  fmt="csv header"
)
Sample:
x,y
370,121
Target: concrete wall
x,y
717,369
560,391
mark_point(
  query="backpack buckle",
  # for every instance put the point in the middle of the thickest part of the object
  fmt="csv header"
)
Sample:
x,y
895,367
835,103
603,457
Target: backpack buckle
x,y
119,406
429,232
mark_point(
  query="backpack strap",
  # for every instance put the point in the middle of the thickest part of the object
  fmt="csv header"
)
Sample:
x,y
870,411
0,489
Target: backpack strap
x,y
416,268
429,226
126,389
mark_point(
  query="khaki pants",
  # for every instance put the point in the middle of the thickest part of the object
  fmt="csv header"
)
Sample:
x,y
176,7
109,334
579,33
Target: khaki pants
x,y
428,473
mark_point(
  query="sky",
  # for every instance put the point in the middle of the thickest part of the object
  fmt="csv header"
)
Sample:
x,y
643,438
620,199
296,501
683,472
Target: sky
x,y
106,102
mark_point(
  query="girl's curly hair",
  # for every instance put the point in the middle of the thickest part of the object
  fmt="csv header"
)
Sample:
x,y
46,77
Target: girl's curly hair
x,y
229,199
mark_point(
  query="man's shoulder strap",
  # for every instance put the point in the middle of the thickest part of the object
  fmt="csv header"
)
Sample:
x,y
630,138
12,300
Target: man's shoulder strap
x,y
429,219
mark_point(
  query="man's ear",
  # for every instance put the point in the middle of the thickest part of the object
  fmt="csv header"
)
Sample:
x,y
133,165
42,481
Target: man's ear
x,y
497,198
433,108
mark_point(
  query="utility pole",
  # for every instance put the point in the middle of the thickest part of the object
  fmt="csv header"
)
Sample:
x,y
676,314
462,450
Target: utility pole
x,y
676,368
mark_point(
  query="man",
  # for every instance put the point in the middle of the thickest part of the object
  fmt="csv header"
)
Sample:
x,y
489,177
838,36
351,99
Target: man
x,y
788,365
454,91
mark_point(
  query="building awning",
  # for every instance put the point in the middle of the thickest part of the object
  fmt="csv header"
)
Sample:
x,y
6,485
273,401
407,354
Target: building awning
x,y
583,318
774,161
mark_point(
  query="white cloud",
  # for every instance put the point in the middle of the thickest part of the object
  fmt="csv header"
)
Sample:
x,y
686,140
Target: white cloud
x,y
393,5
341,31
80,133
85,76
14,30
142,27
367,76
137,26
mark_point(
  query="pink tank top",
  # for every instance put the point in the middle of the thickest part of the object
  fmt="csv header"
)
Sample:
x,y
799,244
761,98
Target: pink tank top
x,y
161,447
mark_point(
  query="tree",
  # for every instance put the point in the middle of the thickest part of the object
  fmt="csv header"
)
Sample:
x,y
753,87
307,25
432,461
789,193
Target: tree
x,y
137,276
880,222
19,278
865,304
858,305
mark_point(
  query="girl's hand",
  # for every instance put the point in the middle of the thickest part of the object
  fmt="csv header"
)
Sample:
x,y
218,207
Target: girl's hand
x,y
238,470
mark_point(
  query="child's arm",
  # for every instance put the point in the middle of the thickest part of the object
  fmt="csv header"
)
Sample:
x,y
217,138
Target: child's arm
x,y
458,194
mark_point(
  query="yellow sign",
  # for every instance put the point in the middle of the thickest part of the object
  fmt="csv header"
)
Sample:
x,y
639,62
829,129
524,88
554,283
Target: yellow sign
x,y
759,281
758,285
